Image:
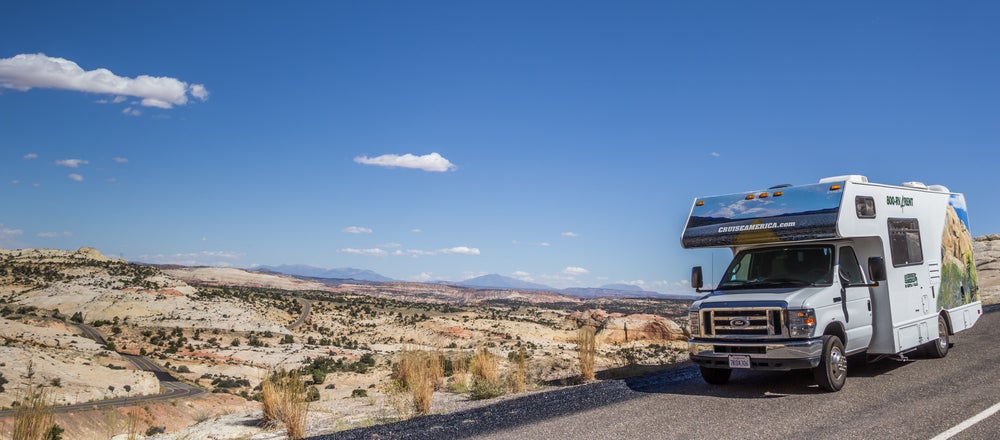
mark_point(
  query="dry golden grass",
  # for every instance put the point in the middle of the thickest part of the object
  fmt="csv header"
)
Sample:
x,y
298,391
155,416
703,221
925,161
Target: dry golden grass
x,y
459,373
283,397
418,372
518,381
485,369
587,350
33,418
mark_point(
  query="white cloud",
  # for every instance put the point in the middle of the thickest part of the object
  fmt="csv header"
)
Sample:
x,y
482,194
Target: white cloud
x,y
15,182
429,162
715,154
416,230
120,159
26,71
48,234
522,275
575,271
461,250
570,234
373,252
6,232
357,230
76,177
31,156
203,258
424,276
129,111
71,163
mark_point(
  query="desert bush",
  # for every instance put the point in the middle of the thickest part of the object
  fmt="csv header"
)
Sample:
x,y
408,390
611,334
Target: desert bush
x,y
417,373
284,399
485,369
587,348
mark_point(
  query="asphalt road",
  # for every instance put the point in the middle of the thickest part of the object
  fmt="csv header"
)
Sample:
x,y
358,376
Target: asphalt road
x,y
919,399
172,388
306,309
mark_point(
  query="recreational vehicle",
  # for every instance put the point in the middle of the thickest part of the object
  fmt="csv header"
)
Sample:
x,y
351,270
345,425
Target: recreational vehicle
x,y
828,270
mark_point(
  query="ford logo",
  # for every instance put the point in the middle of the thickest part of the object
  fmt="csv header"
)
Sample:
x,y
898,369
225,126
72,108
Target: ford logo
x,y
739,322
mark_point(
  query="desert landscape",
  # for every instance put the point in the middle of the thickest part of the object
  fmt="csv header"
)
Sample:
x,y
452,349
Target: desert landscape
x,y
226,330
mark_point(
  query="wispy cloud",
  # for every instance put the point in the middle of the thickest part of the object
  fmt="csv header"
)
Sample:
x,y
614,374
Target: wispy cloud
x,y
54,234
6,232
416,230
76,177
31,156
71,163
570,234
120,159
129,111
357,230
373,252
203,258
433,162
575,271
26,71
15,182
461,250
715,154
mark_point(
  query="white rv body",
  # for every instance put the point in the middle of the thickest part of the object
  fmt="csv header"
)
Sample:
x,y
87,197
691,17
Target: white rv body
x,y
775,307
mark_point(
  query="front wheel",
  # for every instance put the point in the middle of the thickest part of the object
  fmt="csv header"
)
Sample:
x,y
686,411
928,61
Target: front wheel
x,y
716,376
939,348
831,373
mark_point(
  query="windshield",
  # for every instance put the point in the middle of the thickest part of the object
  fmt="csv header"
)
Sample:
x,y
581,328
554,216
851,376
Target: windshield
x,y
794,266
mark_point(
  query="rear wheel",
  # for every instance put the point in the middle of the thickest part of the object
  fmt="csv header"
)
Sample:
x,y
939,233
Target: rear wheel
x,y
939,348
831,373
716,376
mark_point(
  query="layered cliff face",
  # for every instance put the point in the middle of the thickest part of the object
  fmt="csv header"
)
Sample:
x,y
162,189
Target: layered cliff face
x,y
987,252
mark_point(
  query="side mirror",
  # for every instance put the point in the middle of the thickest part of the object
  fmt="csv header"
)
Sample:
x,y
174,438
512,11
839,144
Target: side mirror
x,y
876,269
697,280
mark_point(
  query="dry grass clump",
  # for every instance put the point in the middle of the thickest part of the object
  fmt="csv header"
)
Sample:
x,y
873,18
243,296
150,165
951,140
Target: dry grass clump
x,y
519,379
33,418
485,368
587,349
459,373
417,372
283,397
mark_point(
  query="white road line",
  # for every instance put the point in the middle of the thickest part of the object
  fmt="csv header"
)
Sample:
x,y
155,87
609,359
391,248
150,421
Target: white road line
x,y
968,423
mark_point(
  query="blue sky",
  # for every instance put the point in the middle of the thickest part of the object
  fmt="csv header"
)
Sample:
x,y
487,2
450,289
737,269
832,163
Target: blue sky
x,y
572,136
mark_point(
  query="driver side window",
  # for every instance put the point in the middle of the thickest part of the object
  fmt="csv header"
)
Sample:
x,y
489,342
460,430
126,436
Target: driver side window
x,y
850,270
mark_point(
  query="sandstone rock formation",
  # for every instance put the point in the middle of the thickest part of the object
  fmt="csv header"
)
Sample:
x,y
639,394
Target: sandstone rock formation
x,y
616,327
987,252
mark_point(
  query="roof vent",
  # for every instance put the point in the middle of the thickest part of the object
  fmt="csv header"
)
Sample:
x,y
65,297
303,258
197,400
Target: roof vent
x,y
918,185
939,188
855,178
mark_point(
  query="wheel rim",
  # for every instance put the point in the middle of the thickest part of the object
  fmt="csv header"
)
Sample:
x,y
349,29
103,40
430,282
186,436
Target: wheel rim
x,y
942,334
838,364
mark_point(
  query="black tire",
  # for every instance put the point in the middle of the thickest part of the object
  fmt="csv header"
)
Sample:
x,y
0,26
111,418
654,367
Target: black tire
x,y
716,376
831,373
938,348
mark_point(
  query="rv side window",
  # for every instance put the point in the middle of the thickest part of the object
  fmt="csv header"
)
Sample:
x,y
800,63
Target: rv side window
x,y
850,270
864,206
904,242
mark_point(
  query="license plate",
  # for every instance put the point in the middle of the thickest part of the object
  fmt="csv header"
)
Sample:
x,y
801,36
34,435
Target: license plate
x,y
739,361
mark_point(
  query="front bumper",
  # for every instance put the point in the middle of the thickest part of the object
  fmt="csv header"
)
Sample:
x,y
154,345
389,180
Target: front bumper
x,y
771,355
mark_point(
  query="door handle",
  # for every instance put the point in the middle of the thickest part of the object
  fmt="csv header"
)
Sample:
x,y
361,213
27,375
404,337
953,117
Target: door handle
x,y
837,299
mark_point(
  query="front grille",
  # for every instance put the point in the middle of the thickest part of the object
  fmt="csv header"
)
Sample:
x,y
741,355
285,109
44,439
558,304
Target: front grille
x,y
742,322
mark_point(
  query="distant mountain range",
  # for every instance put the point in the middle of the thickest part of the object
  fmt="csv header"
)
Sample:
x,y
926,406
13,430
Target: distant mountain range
x,y
343,273
491,281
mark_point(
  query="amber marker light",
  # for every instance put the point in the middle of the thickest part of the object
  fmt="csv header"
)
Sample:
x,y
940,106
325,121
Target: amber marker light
x,y
834,187
762,196
700,203
778,193
749,197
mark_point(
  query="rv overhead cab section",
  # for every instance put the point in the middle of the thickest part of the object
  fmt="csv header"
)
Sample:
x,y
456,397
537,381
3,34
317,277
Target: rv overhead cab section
x,y
827,270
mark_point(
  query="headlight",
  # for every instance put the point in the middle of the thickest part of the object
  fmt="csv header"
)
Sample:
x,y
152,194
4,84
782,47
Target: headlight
x,y
801,322
694,321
